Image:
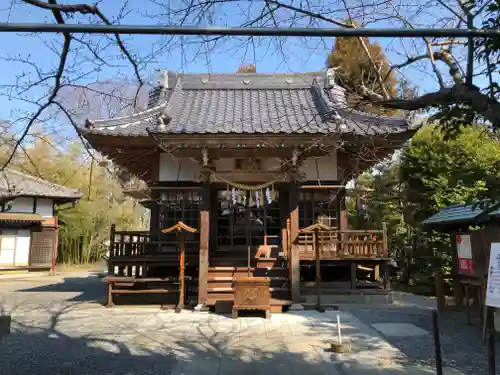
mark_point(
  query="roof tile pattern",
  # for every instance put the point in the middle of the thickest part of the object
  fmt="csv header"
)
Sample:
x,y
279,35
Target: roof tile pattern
x,y
461,213
249,104
15,183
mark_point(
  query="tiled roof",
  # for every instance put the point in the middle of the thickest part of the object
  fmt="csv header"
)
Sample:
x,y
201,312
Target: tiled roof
x,y
462,213
248,103
14,183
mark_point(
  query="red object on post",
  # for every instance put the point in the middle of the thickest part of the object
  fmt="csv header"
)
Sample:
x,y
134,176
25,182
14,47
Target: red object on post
x,y
465,266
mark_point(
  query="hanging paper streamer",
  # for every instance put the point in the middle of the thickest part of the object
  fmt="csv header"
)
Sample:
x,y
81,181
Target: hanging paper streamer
x,y
268,195
233,195
257,199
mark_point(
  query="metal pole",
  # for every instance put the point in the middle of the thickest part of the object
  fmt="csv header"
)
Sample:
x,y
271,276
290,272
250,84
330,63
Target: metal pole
x,y
437,343
246,31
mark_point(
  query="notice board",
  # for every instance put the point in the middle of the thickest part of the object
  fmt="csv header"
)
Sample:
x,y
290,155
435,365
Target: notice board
x,y
493,286
464,252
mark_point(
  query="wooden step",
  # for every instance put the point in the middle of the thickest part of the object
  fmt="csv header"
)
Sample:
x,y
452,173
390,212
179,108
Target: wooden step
x,y
212,299
230,289
215,277
242,269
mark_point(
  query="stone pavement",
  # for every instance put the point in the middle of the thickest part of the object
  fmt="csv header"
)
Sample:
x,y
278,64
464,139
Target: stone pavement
x,y
55,332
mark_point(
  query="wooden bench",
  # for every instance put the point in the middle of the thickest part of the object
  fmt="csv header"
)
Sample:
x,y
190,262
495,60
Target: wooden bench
x,y
119,285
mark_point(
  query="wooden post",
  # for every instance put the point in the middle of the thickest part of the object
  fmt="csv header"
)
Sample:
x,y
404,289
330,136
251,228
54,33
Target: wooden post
x,y
204,243
353,275
341,246
180,227
376,272
294,233
318,270
441,299
387,275
54,249
458,288
182,262
111,268
110,294
385,245
247,230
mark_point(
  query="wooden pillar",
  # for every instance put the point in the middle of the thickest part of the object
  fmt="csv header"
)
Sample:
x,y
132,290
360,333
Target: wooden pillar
x,y
387,275
385,244
204,242
343,211
341,246
182,278
354,280
284,219
458,288
294,264
111,268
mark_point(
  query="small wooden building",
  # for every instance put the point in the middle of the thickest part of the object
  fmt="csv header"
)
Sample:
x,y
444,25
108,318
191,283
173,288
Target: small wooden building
x,y
28,220
472,228
248,159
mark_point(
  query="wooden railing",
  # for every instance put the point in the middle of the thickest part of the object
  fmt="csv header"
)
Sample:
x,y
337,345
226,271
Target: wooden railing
x,y
342,244
132,252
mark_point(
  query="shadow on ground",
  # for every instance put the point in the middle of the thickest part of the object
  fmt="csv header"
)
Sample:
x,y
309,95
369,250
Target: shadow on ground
x,y
127,349
65,339
87,289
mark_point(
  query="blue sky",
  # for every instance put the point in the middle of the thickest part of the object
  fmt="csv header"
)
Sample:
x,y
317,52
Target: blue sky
x,y
290,55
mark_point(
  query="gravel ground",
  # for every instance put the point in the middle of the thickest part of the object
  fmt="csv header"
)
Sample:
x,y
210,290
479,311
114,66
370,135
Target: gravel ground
x,y
461,344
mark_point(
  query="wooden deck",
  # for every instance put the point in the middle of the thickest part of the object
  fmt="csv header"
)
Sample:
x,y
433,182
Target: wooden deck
x,y
140,254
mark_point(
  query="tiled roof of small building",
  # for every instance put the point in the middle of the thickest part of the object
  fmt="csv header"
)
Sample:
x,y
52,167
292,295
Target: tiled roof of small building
x,y
14,183
248,103
462,213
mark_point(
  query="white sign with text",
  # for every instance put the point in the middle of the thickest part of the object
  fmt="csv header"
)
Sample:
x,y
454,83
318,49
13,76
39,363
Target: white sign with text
x,y
493,288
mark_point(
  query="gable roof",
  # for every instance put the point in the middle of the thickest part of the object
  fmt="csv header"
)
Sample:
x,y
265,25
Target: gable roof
x,y
462,214
14,183
248,103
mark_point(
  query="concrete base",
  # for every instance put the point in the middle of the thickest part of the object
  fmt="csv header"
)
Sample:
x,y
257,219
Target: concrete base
x,y
202,308
5,321
344,347
296,307
332,300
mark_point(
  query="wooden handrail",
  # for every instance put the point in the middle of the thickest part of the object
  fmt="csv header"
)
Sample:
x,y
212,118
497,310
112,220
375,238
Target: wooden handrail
x,y
346,243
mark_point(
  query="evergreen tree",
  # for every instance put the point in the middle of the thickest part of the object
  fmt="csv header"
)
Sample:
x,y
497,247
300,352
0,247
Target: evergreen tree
x,y
354,69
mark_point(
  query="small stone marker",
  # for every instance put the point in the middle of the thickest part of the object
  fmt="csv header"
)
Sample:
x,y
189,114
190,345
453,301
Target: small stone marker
x,y
339,346
4,325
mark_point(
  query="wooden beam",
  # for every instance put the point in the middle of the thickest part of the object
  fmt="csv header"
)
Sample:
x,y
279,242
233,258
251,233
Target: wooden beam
x,y
204,243
322,186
